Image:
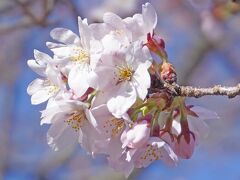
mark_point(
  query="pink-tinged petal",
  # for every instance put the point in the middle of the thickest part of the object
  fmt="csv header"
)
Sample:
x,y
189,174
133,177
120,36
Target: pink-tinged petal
x,y
142,81
156,149
95,47
65,36
41,96
72,105
121,165
62,52
51,115
176,127
101,113
204,113
60,135
184,149
168,138
105,79
106,124
111,43
85,33
114,148
148,154
87,137
168,156
198,126
78,80
41,57
35,86
135,24
141,55
52,45
38,68
99,30
113,20
149,17
123,99
91,118
55,77
137,136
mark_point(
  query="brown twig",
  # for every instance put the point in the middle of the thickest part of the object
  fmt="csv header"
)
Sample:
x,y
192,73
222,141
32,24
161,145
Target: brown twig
x,y
189,91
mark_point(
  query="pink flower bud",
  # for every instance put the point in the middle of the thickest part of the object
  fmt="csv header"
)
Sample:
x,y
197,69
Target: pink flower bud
x,y
185,145
156,44
137,136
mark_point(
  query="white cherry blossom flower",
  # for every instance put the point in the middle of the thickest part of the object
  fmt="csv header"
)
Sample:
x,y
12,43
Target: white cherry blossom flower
x,y
124,77
198,125
71,122
51,83
110,129
127,30
77,56
154,149
137,135
142,24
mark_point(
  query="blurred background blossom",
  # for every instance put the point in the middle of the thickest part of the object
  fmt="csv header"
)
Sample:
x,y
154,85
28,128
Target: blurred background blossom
x,y
203,41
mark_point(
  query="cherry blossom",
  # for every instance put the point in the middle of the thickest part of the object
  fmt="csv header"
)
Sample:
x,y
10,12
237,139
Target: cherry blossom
x,y
105,92
126,77
76,56
51,83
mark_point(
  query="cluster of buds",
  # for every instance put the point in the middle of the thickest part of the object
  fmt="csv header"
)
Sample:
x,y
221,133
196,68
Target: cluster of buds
x,y
105,92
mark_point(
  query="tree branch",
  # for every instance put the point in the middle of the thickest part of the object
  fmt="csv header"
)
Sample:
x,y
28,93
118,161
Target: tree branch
x,y
189,91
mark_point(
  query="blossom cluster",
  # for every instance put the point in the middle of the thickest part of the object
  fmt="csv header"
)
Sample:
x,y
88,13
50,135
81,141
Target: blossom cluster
x,y
103,91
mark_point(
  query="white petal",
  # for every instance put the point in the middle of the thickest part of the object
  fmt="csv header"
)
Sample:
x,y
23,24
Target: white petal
x,y
60,135
204,113
99,30
55,77
184,149
142,81
85,33
39,69
114,20
176,127
123,99
111,43
87,138
51,115
91,118
121,165
62,52
41,96
52,45
149,17
95,47
41,57
65,36
199,127
78,80
35,86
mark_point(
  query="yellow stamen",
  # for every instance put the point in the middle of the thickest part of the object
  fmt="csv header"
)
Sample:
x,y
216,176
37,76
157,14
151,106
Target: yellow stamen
x,y
125,73
80,55
76,120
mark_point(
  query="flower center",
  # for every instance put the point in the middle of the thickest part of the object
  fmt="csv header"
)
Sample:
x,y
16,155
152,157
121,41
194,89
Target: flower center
x,y
80,55
76,120
151,153
52,88
113,127
124,73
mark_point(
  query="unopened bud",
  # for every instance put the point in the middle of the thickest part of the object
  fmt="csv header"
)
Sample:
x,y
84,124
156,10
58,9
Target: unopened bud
x,y
156,45
168,73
